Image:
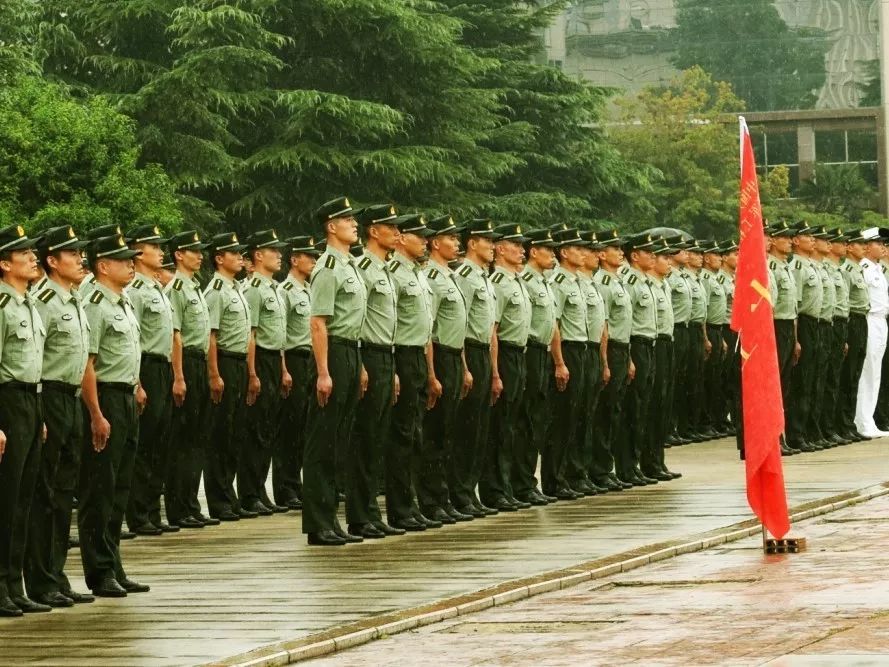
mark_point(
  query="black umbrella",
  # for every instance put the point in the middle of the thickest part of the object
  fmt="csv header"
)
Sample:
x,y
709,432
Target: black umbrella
x,y
667,232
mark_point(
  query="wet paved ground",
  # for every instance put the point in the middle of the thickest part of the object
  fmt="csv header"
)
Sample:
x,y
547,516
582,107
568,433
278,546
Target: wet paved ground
x,y
730,605
221,591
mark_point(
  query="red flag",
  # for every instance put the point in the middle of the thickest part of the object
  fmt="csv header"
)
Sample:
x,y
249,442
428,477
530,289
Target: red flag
x,y
760,381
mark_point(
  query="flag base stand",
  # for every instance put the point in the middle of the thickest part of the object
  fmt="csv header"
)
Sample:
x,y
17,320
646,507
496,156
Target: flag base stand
x,y
788,545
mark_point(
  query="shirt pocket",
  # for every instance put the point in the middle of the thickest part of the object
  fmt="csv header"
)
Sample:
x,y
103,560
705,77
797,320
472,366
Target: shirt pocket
x,y
21,346
643,300
452,294
481,294
382,287
157,306
302,307
119,336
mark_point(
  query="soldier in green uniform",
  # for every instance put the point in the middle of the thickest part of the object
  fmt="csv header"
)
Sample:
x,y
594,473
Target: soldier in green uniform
x,y
370,438
731,372
231,335
597,373
297,300
87,285
716,323
114,399
339,301
512,325
64,361
699,347
809,296
830,414
448,369
413,338
643,338
269,378
680,298
571,312
474,413
825,336
155,317
856,336
22,336
191,399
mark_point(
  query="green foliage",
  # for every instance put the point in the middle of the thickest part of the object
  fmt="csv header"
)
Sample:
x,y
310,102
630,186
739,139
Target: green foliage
x,y
678,131
17,29
747,44
838,189
870,90
66,161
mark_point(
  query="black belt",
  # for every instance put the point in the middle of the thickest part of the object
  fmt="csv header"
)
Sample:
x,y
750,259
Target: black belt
x,y
854,314
840,318
376,347
339,340
267,351
642,340
410,348
823,321
664,337
807,317
118,386
447,348
300,351
151,356
537,345
618,345
61,387
228,354
682,325
472,342
27,387
574,343
195,352
506,345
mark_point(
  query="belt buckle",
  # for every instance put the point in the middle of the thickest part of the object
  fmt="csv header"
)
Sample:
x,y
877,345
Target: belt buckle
x,y
39,388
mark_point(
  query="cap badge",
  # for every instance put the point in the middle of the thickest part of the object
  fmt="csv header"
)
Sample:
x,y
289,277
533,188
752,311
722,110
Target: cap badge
x,y
121,242
518,229
196,237
156,231
71,232
20,230
346,202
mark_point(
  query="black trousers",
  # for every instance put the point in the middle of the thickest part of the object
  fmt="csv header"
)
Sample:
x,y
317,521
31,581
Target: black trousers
x,y
144,506
496,470
609,415
534,419
473,422
20,419
50,522
785,340
651,458
803,381
564,431
732,383
370,442
695,399
589,437
825,340
326,426
223,451
189,433
287,459
104,490
679,380
406,432
830,422
438,431
261,420
850,372
714,395
636,405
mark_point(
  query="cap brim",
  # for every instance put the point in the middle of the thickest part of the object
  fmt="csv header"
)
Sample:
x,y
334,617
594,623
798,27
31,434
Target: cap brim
x,y
450,231
313,252
152,240
22,244
484,235
72,244
238,248
515,239
121,254
191,246
423,233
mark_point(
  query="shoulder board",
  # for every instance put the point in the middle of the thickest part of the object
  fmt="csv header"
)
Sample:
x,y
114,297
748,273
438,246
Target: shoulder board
x,y
465,271
606,279
46,295
884,269
4,299
97,297
177,284
137,283
93,280
560,278
433,274
394,264
773,265
217,284
497,279
256,282
330,262
798,265
632,279
528,277
849,267
705,275
720,279
287,287
364,263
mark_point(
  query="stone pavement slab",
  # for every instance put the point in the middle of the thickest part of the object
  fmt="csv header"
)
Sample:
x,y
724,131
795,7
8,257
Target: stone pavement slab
x,y
729,605
222,591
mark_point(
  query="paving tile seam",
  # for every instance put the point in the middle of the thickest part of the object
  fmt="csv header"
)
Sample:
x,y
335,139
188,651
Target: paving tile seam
x,y
344,637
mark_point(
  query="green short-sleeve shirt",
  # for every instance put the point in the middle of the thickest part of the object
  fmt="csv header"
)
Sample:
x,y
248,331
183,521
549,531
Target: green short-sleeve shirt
x,y
229,314
21,337
478,294
699,298
297,299
154,314
809,290
680,295
717,310
829,291
641,295
570,306
595,307
448,306
190,315
267,315
382,301
727,280
785,306
414,312
859,297
114,336
513,307
618,308
338,294
67,333
664,306
543,306
841,289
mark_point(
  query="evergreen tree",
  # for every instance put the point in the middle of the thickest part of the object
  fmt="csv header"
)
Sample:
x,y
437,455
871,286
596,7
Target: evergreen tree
x,y
17,32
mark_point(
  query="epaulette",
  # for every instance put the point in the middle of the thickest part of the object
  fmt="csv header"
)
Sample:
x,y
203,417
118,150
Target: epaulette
x,y
798,265
177,284
4,299
560,278
465,271
433,274
705,275
849,267
606,280
287,287
137,283
720,279
97,297
364,263
497,279
528,277
256,282
46,295
330,262
217,284
773,265
393,265
632,279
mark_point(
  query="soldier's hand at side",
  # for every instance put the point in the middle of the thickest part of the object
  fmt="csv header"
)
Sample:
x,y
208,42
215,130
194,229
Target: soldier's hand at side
x,y
708,348
433,391
101,431
467,383
797,352
562,376
845,349
396,389
323,388
606,375
253,389
2,444
286,384
217,387
631,375
724,347
362,383
141,399
179,392
496,389
43,433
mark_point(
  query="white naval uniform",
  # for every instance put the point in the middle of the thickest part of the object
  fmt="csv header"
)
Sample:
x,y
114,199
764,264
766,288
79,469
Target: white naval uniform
x,y
869,384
